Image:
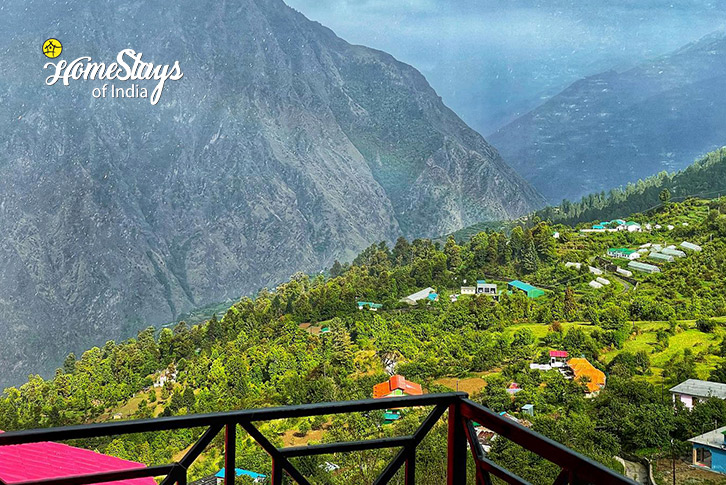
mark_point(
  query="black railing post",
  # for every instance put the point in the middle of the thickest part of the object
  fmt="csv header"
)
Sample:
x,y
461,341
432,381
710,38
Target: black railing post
x,y
410,477
182,478
276,472
456,469
230,443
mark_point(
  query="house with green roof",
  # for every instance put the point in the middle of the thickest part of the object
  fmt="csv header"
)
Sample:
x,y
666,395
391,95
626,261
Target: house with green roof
x,y
526,288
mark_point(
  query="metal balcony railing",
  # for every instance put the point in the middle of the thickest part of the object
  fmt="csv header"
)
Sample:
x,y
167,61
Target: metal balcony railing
x,y
576,468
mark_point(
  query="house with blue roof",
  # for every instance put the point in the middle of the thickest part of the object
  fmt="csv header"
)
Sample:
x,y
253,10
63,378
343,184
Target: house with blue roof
x,y
239,472
526,288
374,307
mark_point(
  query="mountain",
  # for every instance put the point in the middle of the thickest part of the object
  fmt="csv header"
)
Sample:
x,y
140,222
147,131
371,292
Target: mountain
x,y
704,178
617,127
282,148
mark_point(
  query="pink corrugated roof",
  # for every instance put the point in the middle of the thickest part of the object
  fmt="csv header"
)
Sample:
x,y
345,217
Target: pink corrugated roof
x,y
558,353
37,461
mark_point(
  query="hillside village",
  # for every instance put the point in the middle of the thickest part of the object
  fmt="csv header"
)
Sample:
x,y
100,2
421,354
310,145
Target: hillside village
x,y
512,319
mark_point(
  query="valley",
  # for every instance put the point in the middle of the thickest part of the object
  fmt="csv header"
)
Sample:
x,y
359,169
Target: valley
x,y
645,338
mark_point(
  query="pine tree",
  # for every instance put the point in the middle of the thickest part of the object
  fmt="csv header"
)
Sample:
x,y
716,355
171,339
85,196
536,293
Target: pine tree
x,y
342,345
69,365
569,303
453,254
529,259
336,270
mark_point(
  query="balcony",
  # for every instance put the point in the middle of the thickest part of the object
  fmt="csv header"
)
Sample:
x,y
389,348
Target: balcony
x,y
462,443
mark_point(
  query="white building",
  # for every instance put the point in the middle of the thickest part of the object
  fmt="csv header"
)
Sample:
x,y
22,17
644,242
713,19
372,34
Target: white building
x,y
643,267
624,272
673,252
484,288
661,257
468,290
428,294
691,246
633,227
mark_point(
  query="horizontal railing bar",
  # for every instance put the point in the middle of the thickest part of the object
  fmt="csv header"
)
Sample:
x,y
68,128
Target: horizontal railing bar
x,y
151,471
346,446
582,466
211,419
500,472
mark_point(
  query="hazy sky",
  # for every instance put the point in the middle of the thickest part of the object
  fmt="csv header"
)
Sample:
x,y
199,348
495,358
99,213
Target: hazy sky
x,y
490,60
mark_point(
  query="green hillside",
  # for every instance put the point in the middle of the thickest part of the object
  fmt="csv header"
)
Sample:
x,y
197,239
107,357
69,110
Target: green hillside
x,y
704,178
646,333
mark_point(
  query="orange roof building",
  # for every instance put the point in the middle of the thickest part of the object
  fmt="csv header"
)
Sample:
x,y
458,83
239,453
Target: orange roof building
x,y
396,386
582,368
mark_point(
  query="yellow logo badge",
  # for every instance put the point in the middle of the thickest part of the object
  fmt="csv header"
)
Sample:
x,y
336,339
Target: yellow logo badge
x,y
52,48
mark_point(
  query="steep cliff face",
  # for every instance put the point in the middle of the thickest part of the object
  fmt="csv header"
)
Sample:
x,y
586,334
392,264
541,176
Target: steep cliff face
x,y
618,127
282,148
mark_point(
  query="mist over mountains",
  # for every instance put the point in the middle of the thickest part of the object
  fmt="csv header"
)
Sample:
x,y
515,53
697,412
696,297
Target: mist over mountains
x,y
282,148
617,127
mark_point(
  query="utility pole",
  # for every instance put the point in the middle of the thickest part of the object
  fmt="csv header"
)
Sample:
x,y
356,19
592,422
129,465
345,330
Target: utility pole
x,y
673,456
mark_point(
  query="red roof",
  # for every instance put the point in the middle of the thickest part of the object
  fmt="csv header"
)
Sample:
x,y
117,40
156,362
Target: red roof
x,y
558,353
397,383
37,461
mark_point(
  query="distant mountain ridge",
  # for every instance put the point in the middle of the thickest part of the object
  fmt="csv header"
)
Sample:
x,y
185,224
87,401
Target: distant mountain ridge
x,y
617,127
706,178
282,148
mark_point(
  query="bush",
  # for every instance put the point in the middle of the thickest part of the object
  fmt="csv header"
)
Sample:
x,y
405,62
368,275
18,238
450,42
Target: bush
x,y
705,325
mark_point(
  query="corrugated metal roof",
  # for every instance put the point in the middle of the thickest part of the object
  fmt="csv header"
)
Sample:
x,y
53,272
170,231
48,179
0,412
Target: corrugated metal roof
x,y
522,285
644,267
420,295
396,383
582,367
699,388
714,438
39,461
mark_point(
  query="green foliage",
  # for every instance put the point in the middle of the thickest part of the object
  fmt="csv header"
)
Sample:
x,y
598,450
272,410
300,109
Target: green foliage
x,y
706,177
263,351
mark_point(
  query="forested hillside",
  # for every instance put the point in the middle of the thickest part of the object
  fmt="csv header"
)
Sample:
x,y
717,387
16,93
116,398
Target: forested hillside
x,y
269,351
282,148
619,126
705,178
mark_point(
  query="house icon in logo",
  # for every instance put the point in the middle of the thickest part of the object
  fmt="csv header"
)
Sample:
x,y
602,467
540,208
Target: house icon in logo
x,y
52,48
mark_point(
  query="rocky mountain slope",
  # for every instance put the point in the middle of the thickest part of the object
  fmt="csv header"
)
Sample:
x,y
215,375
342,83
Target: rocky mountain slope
x,y
282,148
617,127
